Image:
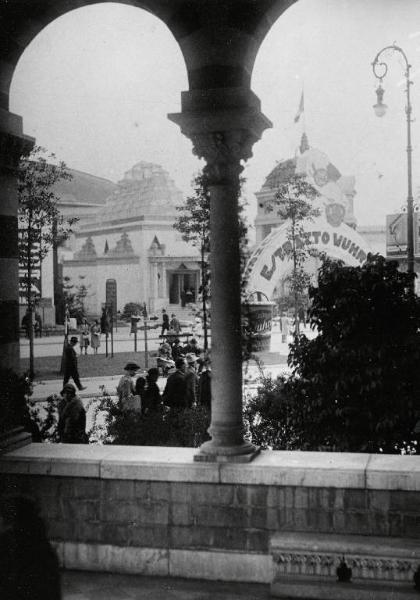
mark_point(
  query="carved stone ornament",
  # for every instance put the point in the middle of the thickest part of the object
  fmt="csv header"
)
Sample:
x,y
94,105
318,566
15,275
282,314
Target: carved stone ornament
x,y
223,152
12,148
363,567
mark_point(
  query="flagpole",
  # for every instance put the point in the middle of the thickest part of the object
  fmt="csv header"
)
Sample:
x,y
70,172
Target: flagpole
x,y
303,112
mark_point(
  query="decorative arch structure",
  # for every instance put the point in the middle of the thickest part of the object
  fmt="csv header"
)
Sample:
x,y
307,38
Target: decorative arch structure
x,y
222,117
270,263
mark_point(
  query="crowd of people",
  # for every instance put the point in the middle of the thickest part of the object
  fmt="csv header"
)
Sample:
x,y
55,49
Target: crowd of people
x,y
188,386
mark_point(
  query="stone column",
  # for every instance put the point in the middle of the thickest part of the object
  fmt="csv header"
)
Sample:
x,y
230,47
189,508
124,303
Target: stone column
x,y
13,144
223,136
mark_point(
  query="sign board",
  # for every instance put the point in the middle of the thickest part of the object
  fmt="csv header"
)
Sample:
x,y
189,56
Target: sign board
x,y
256,320
396,234
111,295
270,262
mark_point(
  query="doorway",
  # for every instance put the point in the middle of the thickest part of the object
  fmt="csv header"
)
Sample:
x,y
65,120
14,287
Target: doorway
x,y
182,287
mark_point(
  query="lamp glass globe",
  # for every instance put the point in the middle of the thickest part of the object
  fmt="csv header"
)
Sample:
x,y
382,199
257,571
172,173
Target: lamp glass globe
x,y
380,109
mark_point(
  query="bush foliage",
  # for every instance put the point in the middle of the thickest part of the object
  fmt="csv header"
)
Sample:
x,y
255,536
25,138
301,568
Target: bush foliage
x,y
356,386
163,427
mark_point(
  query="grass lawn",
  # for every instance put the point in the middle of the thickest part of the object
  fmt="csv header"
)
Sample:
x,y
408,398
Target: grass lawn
x,y
48,367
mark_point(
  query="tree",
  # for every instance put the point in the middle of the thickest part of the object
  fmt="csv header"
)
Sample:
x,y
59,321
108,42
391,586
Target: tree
x,y
40,222
356,386
294,203
194,225
74,298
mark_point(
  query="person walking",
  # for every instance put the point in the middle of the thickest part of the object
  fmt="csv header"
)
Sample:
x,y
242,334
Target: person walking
x,y
70,364
174,324
165,322
72,417
95,336
174,394
191,381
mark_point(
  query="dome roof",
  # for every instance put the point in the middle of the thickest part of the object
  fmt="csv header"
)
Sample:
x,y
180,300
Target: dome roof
x,y
280,174
286,168
146,189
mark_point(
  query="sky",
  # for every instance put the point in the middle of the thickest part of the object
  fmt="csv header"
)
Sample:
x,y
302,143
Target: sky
x,y
95,86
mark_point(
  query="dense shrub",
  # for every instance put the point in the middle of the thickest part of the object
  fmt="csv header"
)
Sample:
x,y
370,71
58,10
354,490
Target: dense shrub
x,y
112,425
356,386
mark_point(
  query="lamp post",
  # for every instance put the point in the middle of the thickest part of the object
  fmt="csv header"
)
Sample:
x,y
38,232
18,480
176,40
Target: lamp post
x,y
380,69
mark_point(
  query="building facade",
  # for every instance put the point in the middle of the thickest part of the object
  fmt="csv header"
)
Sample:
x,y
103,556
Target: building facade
x,y
130,239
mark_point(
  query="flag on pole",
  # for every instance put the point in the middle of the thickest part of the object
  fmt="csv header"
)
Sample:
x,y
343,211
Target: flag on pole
x,y
301,108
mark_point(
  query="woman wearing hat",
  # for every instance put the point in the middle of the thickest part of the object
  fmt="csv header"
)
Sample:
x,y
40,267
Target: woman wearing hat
x,y
126,390
72,417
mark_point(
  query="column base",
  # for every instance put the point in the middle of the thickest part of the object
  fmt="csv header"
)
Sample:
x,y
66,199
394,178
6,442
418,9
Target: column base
x,y
210,452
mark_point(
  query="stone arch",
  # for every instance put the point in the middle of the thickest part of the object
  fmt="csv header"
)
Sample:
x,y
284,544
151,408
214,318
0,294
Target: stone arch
x,y
219,60
21,28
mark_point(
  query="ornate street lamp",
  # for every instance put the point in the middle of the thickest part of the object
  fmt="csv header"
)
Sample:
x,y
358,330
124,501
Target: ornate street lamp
x,y
380,70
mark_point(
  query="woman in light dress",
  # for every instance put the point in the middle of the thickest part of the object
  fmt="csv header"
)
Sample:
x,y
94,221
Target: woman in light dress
x,y
84,340
95,336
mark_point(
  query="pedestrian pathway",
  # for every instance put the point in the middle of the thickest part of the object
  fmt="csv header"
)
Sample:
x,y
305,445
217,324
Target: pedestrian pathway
x,y
83,585
47,387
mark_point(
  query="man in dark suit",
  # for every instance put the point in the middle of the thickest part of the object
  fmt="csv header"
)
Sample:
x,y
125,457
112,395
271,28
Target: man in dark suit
x,y
175,395
70,364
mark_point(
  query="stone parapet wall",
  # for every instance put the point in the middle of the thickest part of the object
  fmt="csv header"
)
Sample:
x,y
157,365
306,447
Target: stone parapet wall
x,y
159,503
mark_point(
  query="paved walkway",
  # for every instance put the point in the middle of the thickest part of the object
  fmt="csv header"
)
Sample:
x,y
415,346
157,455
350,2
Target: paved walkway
x,y
83,585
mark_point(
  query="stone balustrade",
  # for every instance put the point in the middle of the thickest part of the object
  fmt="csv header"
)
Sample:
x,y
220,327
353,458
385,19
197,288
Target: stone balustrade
x,y
157,511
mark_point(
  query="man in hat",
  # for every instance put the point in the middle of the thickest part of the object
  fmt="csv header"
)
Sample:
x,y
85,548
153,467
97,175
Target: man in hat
x,y
125,388
70,364
191,380
174,394
72,417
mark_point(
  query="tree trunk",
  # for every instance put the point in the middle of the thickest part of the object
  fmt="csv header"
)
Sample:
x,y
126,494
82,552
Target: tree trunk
x,y
30,307
295,293
204,296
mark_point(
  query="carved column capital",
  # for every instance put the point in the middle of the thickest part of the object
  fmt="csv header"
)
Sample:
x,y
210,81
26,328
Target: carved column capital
x,y
223,152
223,126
